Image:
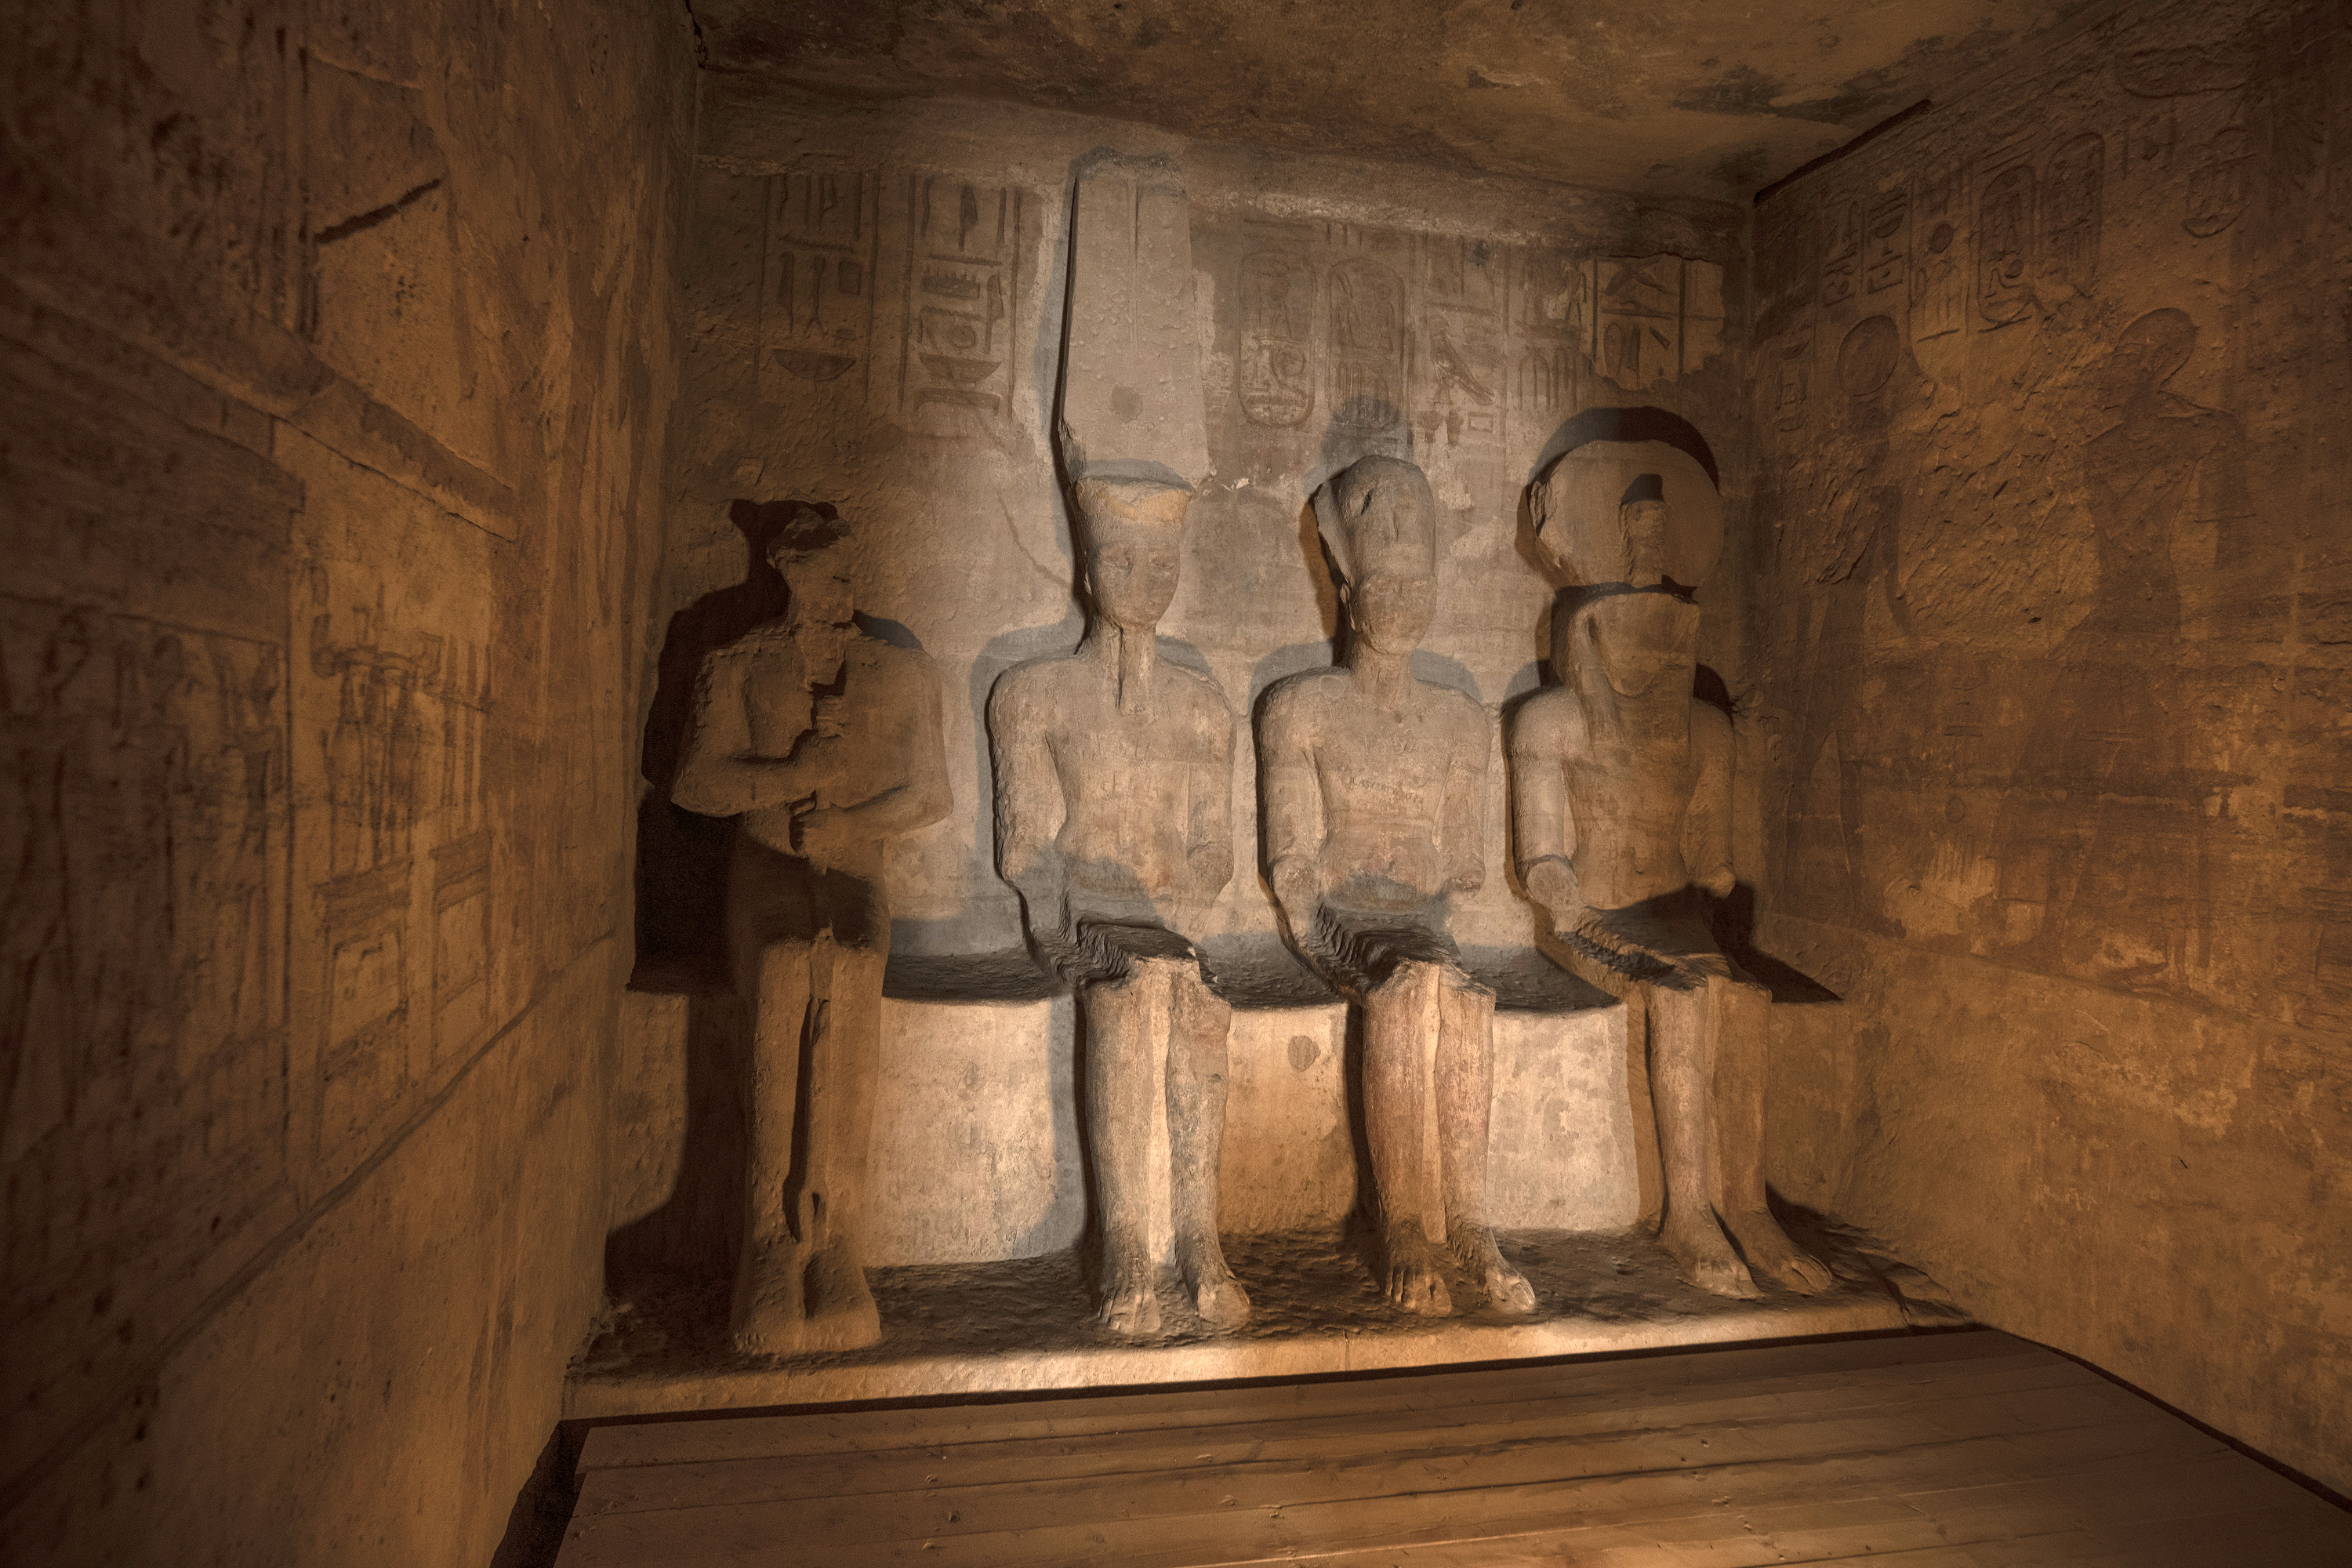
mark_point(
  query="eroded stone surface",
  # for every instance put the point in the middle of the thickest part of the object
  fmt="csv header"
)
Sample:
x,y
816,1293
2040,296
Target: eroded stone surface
x,y
1620,793
337,348
2052,506
822,743
1372,785
1319,1308
1669,100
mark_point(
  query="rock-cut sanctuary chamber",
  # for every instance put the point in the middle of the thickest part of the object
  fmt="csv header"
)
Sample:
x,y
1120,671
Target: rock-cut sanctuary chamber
x,y
775,707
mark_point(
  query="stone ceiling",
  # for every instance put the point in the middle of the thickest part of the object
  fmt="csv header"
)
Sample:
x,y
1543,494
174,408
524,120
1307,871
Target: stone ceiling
x,y
1687,98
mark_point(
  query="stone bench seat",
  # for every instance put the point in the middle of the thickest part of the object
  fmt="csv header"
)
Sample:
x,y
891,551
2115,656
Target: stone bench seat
x,y
976,1137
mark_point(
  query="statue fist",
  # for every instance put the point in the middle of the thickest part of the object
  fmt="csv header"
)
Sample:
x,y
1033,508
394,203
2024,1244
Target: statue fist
x,y
1552,883
1295,887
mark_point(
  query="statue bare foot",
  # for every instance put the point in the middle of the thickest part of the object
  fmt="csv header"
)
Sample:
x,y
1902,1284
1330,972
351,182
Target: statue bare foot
x,y
841,1311
1130,1304
1217,1296
789,1303
1415,1281
1507,1288
1704,1255
1771,1254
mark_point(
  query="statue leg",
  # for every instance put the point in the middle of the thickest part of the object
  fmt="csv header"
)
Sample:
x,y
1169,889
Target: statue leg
x,y
1199,1022
1465,1098
1682,1072
1400,1014
767,1313
1741,1046
1122,1018
844,1039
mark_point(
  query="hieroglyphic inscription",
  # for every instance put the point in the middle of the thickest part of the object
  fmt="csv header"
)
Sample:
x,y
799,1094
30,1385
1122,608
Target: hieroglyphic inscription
x,y
1551,325
1638,309
1888,236
2221,180
1462,317
1467,342
461,862
1274,377
963,256
1843,260
1366,342
816,310
1939,279
2005,246
2071,205
2149,143
142,930
1791,362
399,737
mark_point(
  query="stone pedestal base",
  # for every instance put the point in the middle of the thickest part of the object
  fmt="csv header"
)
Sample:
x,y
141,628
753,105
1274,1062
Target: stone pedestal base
x,y
1011,1326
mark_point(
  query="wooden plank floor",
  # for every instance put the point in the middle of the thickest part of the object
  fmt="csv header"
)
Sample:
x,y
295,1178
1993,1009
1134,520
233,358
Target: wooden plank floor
x,y
1927,1451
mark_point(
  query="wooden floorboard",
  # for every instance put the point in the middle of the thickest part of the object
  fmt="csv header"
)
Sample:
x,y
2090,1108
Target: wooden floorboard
x,y
1928,1451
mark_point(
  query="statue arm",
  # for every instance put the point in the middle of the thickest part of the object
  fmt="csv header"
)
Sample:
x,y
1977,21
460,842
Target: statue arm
x,y
1543,820
1461,830
719,776
1706,825
912,774
1542,814
1029,806
1209,828
1291,805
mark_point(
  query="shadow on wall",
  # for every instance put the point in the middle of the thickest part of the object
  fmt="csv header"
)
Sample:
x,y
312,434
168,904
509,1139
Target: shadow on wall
x,y
681,855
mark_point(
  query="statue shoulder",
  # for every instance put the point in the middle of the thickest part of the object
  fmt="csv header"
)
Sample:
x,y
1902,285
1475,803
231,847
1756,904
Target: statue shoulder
x,y
1461,710
1550,722
895,663
1299,699
1202,692
1037,686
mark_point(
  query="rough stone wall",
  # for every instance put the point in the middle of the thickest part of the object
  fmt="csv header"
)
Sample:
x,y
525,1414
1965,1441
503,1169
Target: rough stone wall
x,y
2050,632
337,345
876,311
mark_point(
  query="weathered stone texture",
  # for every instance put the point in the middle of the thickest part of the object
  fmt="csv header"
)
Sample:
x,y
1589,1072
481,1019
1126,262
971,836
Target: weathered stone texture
x,y
2050,387
336,349
1342,308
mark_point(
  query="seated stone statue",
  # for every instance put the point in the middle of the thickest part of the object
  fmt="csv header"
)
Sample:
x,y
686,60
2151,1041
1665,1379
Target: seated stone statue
x,y
825,743
1373,795
1114,818
1621,789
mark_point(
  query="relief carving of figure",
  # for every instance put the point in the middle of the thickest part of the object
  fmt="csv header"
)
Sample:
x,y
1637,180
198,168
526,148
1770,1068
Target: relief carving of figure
x,y
1621,789
1114,820
1372,794
825,742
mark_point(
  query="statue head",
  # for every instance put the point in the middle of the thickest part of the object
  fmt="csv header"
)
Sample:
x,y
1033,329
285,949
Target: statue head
x,y
819,561
1628,511
1131,534
1379,525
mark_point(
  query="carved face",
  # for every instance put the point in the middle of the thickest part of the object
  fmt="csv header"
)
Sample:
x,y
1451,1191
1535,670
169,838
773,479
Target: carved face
x,y
823,583
1132,573
1391,610
1643,524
